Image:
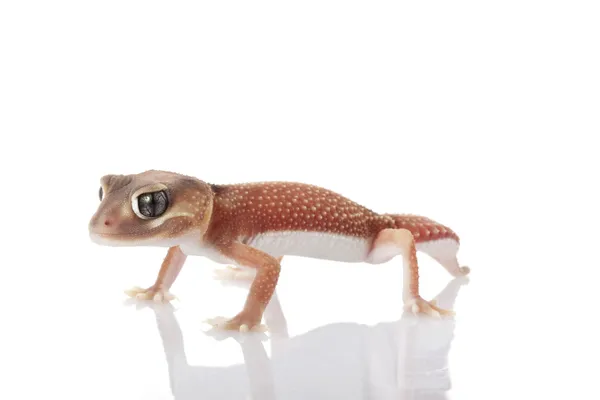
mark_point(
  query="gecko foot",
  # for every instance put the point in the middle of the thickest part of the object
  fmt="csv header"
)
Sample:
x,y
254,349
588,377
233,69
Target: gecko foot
x,y
243,322
231,273
418,305
158,295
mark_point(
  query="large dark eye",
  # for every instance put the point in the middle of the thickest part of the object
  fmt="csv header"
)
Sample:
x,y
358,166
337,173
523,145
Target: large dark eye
x,y
100,193
153,204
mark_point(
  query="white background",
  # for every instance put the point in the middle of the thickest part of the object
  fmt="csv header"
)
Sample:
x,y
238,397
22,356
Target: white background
x,y
481,115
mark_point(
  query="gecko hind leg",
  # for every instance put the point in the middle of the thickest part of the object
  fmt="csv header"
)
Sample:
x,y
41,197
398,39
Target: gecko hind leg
x,y
390,243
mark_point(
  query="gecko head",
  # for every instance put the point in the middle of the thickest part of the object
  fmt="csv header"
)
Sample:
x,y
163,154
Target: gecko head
x,y
152,208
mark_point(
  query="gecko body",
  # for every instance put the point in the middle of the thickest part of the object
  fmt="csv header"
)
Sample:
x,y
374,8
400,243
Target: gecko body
x,y
254,225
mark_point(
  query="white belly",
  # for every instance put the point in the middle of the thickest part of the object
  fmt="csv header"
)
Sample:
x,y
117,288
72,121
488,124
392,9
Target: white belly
x,y
290,243
319,245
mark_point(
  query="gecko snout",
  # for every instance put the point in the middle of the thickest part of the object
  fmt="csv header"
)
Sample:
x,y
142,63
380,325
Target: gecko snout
x,y
104,224
108,224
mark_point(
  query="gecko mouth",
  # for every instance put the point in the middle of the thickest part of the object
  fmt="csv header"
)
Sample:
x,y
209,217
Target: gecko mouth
x,y
129,239
116,239
99,232
112,235
133,235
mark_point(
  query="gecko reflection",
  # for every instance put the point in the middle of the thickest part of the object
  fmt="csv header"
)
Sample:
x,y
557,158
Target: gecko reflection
x,y
405,359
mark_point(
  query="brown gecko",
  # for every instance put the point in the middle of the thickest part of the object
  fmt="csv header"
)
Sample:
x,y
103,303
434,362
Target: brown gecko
x,y
253,225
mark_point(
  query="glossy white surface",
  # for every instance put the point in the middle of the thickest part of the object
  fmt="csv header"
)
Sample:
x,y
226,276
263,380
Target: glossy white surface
x,y
336,332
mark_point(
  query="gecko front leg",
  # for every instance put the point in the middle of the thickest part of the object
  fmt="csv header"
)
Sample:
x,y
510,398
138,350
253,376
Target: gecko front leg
x,y
169,270
261,289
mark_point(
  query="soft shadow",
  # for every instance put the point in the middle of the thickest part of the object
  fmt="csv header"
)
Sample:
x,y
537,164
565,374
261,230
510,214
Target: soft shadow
x,y
405,359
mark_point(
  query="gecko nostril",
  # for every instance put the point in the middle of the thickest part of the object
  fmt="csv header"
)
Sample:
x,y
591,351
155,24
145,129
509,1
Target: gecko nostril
x,y
107,222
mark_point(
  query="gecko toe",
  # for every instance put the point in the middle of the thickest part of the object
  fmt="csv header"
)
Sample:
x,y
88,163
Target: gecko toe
x,y
239,323
134,291
216,322
156,295
420,306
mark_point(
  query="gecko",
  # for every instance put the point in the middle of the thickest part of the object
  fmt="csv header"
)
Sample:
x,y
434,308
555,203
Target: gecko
x,y
254,225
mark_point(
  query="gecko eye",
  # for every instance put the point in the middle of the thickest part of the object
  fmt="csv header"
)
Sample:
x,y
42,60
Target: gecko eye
x,y
150,205
100,193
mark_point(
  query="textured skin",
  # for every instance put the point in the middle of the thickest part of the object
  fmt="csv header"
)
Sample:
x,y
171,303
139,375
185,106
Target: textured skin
x,y
245,210
221,221
423,229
